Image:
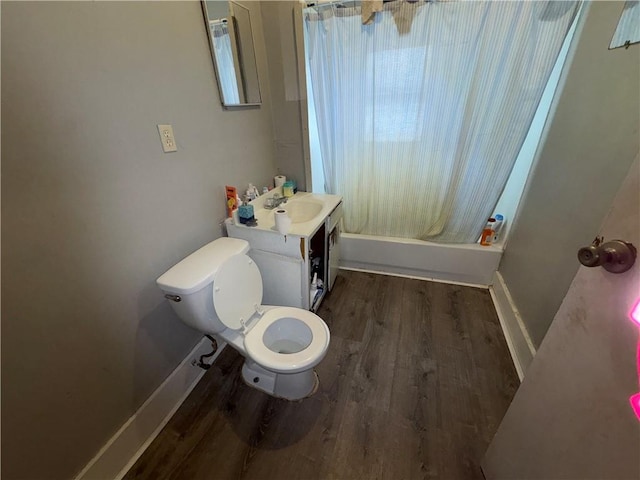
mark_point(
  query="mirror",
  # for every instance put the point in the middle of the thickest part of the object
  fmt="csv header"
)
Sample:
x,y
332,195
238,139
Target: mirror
x,y
232,49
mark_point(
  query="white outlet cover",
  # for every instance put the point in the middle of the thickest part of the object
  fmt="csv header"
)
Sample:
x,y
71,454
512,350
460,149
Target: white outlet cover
x,y
167,138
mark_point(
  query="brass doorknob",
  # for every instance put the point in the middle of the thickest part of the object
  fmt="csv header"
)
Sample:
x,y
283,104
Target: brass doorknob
x,y
589,256
615,256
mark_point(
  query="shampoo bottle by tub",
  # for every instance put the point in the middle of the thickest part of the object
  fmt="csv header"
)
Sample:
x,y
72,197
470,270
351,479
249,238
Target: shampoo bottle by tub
x,y
498,226
487,233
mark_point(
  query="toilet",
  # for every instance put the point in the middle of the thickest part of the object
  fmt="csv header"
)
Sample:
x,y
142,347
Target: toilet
x,y
218,290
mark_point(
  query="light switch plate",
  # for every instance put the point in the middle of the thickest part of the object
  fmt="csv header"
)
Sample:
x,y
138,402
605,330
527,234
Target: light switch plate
x,y
167,138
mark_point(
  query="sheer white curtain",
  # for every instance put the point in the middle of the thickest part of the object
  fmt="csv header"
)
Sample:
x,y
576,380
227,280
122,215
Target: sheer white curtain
x,y
224,62
419,130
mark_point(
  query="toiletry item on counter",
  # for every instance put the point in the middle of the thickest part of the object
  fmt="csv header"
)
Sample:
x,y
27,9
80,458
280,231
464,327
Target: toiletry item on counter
x,y
279,180
232,200
252,192
245,215
265,190
283,221
295,186
287,189
487,234
497,227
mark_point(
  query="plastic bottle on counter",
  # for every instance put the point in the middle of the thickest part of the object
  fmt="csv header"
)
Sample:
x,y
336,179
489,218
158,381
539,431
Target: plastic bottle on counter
x,y
287,189
487,233
252,192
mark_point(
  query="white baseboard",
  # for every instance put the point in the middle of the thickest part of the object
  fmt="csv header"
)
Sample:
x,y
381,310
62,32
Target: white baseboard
x,y
119,454
518,340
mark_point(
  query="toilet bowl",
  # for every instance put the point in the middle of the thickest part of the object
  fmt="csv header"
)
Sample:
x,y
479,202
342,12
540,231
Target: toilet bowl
x,y
218,290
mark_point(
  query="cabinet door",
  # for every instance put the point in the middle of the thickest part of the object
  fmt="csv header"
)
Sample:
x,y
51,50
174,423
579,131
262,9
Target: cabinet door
x,y
334,254
281,279
333,245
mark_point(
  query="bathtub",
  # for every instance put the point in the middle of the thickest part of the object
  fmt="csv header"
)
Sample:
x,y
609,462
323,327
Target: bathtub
x,y
469,264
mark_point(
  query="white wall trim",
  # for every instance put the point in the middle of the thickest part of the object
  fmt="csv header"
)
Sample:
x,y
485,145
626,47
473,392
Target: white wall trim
x,y
516,334
119,454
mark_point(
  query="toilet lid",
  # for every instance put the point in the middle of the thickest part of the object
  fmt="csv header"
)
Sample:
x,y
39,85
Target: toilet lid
x,y
237,289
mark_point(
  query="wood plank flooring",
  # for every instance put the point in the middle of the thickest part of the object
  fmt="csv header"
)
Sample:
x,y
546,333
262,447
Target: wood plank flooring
x,y
415,383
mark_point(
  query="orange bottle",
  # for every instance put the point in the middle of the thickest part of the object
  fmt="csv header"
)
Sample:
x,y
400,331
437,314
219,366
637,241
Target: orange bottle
x,y
487,234
232,203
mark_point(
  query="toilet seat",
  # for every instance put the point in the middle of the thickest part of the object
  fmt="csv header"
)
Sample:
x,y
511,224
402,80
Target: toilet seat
x,y
288,362
237,297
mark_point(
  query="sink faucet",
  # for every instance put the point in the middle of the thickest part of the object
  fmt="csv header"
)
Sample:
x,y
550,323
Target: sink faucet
x,y
275,201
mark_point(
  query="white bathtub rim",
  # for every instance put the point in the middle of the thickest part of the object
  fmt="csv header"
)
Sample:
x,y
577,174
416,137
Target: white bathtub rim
x,y
465,263
498,247
415,277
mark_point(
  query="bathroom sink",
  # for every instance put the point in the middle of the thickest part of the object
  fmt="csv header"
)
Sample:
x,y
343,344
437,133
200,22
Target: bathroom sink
x,y
306,211
301,211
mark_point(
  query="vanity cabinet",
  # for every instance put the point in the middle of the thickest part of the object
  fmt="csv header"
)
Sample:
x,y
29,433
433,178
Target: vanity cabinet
x,y
288,263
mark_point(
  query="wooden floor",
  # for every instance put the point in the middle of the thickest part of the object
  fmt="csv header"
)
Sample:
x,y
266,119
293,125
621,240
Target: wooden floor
x,y
415,383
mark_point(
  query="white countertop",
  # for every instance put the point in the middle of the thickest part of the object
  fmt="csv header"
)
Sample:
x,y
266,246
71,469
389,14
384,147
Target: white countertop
x,y
266,220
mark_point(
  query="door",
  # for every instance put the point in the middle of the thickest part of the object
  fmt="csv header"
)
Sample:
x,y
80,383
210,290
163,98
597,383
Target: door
x,y
571,417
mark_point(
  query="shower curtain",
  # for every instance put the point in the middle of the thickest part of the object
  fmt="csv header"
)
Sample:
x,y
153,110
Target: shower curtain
x,y
421,114
224,60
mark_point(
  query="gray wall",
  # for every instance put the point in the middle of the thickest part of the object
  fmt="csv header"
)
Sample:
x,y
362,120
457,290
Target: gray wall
x,y
93,211
592,141
217,9
280,40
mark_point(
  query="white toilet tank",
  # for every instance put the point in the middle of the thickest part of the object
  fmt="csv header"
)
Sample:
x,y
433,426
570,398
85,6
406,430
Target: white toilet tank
x,y
192,278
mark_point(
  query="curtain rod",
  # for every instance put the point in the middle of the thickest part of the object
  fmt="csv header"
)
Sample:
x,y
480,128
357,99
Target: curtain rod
x,y
328,3
348,3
